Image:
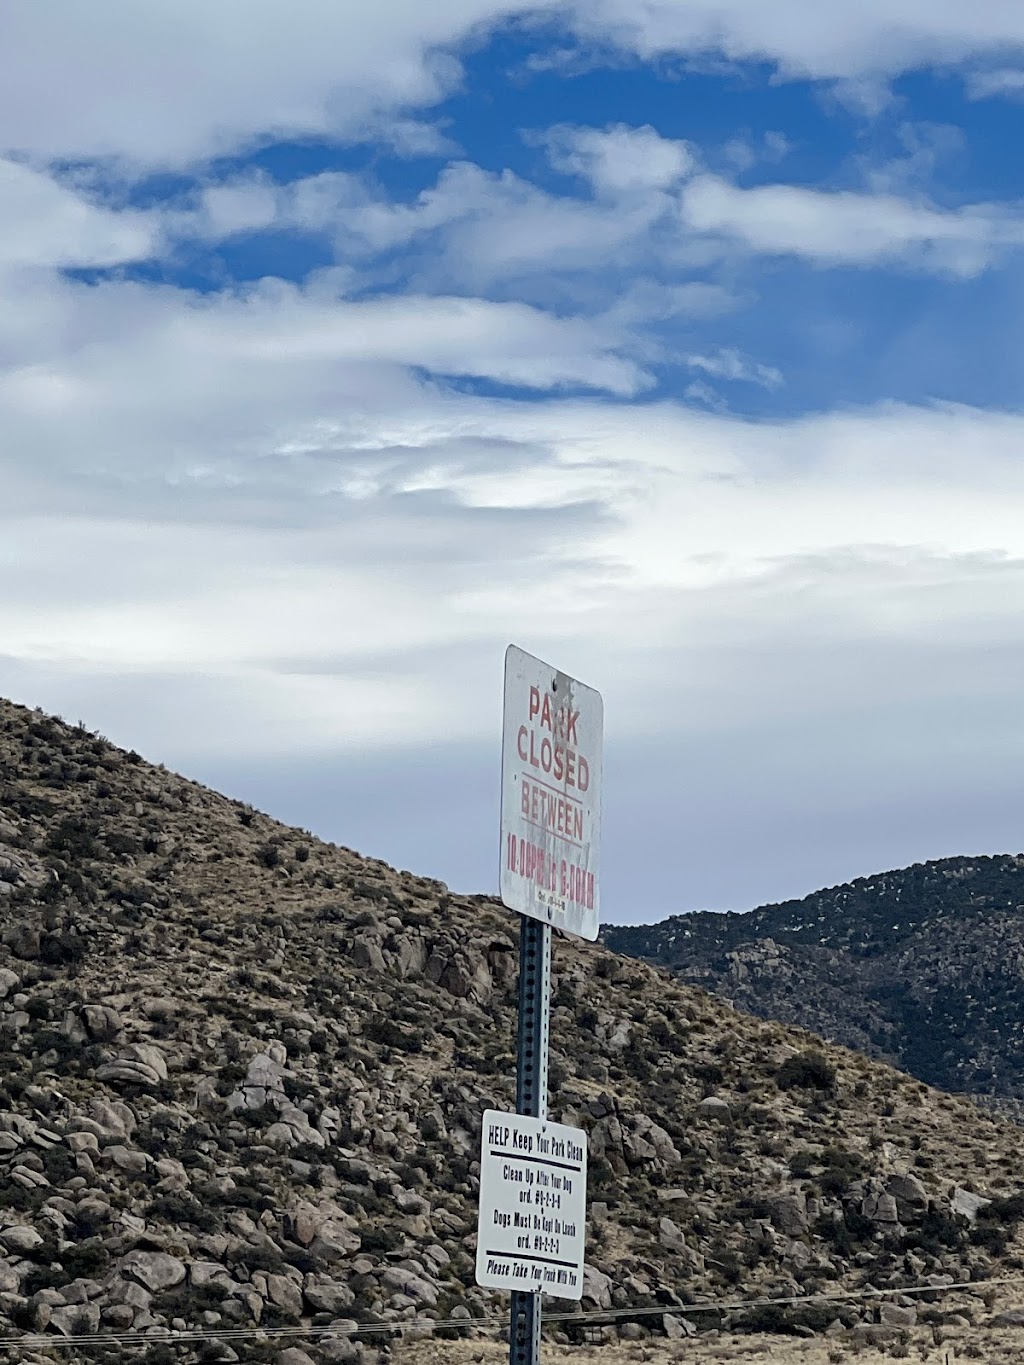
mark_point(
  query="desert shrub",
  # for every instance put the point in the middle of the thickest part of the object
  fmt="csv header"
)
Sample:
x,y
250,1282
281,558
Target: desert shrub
x,y
847,1234
268,855
808,1070
380,1239
801,1162
936,1232
121,844
160,1354
842,1167
44,1277
59,1166
179,1208
1009,1209
65,950
188,1302
84,1260
710,1073
16,1196
74,836
381,1029
990,1237
785,1320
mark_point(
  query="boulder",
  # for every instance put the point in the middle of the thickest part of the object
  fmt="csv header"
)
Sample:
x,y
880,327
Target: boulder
x,y
714,1107
20,1239
597,1287
896,1315
327,1296
880,1208
967,1204
155,1270
789,1214
286,1294
101,1022
138,1064
910,1195
24,941
341,1351
76,1319
206,1272
366,955
334,1241
678,1328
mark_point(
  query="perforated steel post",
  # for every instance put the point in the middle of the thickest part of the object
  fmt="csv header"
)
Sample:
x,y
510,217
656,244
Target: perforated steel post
x,y
531,1098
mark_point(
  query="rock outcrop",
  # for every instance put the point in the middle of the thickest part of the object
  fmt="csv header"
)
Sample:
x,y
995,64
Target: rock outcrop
x,y
242,1074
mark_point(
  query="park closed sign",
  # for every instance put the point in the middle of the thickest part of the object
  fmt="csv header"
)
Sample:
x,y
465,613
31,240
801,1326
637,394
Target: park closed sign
x,y
551,795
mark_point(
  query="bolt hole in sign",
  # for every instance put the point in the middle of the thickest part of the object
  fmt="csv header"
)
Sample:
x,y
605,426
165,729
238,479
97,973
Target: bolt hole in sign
x,y
551,795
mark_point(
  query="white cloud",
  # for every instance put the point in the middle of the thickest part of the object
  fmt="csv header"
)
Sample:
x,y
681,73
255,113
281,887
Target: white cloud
x,y
283,571
44,224
620,160
473,229
729,364
840,41
175,83
850,228
248,204
983,85
743,153
410,137
477,227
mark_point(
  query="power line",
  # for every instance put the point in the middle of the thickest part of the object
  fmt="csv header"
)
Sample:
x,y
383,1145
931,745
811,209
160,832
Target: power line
x,y
596,1317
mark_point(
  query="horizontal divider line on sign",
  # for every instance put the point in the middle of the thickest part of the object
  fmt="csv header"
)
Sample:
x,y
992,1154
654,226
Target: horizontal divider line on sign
x,y
537,1160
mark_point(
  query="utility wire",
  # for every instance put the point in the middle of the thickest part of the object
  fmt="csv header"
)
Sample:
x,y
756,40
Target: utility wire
x,y
596,1317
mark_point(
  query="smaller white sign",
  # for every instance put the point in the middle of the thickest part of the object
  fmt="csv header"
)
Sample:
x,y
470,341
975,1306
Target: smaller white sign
x,y
533,1205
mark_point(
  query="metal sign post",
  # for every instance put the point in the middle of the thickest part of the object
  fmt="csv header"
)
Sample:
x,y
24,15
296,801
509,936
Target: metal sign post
x,y
531,1099
550,841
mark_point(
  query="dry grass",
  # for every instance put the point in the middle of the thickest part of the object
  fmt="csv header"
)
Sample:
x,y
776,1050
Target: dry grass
x,y
994,1346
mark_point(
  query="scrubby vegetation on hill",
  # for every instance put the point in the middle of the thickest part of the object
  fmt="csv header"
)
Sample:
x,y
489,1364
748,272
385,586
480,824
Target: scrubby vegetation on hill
x,y
242,1074
922,968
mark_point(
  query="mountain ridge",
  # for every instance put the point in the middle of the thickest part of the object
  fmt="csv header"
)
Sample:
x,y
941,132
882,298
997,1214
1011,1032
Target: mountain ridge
x,y
242,1074
919,966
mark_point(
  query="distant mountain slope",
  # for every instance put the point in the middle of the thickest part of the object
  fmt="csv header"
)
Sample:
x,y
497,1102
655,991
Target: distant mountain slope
x,y
923,967
242,1074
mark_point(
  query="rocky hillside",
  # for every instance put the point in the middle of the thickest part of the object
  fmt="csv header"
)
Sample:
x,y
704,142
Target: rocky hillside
x,y
242,1074
922,968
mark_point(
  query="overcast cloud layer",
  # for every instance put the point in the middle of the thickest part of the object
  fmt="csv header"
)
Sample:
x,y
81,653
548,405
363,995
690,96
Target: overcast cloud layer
x,y
332,359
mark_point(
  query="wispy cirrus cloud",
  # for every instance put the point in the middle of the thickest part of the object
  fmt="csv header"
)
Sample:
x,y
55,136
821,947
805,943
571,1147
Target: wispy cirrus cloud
x,y
1004,81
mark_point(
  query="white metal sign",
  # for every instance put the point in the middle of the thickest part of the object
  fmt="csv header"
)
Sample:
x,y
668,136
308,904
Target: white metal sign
x,y
533,1205
551,795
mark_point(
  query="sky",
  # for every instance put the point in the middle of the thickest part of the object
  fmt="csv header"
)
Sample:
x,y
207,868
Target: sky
x,y
677,341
